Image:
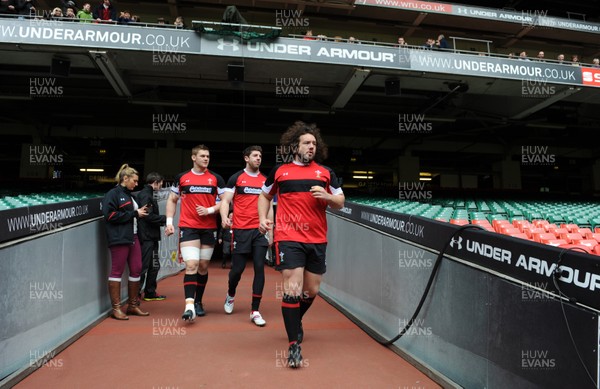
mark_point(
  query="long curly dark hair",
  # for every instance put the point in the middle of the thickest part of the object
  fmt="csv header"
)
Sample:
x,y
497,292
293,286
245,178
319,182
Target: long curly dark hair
x,y
291,138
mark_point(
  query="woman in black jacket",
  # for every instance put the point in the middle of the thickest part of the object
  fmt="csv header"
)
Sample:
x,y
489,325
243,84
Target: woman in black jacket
x,y
120,214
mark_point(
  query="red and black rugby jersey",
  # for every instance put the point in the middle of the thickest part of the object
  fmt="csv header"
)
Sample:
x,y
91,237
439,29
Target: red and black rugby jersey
x,y
197,189
246,188
300,217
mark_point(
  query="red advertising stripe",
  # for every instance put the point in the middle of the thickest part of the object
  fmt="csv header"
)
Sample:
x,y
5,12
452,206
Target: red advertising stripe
x,y
415,5
590,76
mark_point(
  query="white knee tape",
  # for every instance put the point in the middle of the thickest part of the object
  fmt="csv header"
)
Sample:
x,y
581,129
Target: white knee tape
x,y
190,253
206,254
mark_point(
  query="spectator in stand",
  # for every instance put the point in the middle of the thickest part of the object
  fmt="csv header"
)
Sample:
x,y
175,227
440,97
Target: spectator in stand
x,y
7,7
401,42
441,43
429,44
161,21
135,19
56,14
125,18
179,23
541,57
66,4
309,36
70,15
105,12
523,56
596,63
85,14
322,37
511,55
560,58
575,60
24,7
352,40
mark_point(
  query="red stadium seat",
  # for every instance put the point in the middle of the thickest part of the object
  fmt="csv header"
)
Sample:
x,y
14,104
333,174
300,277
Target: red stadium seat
x,y
591,243
577,247
570,227
544,237
550,226
557,231
596,237
497,222
585,232
519,235
520,223
540,223
570,237
596,249
460,222
555,242
530,232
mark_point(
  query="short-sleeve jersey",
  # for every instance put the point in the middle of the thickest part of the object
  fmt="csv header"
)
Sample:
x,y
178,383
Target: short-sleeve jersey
x,y
197,189
300,217
246,188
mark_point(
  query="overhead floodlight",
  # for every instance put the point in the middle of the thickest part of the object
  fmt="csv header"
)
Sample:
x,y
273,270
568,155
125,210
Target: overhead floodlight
x,y
357,79
110,71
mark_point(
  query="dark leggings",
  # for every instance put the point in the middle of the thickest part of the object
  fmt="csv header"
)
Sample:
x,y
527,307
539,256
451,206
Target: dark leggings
x,y
238,264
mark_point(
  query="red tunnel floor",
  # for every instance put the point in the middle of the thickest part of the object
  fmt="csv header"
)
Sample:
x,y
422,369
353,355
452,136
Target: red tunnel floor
x,y
225,351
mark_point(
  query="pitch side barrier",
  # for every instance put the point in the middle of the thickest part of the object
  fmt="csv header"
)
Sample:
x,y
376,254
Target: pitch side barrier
x,y
492,317
54,281
173,41
25,221
578,274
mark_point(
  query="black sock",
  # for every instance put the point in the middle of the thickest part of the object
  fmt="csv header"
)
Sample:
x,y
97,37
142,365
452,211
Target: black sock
x,y
189,286
290,308
305,303
256,301
202,280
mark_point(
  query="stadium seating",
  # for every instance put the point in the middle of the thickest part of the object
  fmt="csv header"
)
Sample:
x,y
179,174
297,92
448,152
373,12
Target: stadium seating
x,y
28,200
557,223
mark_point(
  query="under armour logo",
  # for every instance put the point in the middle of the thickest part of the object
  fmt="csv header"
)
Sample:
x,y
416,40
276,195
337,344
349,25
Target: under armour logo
x,y
285,174
457,241
281,256
122,199
234,244
318,173
234,44
210,181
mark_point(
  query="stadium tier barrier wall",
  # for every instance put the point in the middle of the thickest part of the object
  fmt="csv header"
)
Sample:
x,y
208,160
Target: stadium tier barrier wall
x,y
53,284
490,319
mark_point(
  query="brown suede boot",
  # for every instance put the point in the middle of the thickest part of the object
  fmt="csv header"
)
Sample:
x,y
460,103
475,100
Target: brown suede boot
x,y
134,301
114,290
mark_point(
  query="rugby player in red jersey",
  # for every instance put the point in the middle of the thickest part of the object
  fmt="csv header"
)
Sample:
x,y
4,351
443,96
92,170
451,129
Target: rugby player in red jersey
x,y
198,189
304,190
244,188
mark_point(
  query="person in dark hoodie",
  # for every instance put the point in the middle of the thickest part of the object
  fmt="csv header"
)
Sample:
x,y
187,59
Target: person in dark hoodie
x,y
149,234
105,12
121,213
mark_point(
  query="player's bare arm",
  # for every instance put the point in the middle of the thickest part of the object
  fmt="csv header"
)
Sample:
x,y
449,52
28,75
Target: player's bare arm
x,y
264,204
170,213
334,201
